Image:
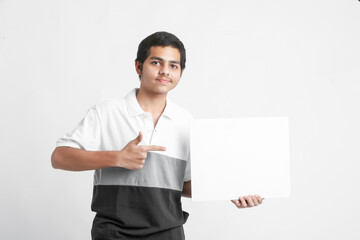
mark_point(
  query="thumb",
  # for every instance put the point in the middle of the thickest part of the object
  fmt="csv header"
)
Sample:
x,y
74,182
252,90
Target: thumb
x,y
138,139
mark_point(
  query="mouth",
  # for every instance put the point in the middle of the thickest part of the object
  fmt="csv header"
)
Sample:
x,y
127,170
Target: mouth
x,y
163,80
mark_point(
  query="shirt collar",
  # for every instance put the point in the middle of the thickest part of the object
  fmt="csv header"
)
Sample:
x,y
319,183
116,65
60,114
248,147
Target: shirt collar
x,y
134,108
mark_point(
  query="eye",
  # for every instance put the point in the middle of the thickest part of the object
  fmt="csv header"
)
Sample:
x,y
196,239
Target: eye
x,y
173,66
155,62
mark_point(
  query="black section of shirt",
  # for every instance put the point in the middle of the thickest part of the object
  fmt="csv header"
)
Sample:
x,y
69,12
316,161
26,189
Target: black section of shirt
x,y
132,212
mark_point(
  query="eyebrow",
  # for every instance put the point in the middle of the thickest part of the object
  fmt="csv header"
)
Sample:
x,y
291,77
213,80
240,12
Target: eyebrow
x,y
163,60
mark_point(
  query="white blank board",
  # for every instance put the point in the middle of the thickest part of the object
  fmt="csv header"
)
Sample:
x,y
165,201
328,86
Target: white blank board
x,y
237,157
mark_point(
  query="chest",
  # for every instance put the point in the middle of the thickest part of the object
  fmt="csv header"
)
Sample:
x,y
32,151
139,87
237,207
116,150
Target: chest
x,y
172,134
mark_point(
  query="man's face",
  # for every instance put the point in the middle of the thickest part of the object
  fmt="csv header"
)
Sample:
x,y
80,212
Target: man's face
x,y
161,70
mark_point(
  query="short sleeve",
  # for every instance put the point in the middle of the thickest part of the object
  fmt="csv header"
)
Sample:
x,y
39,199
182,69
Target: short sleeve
x,y
187,176
86,135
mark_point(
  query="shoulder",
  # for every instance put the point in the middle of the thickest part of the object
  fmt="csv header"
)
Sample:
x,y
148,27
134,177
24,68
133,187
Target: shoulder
x,y
110,106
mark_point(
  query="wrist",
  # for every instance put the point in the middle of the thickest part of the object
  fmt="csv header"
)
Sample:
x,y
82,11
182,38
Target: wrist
x,y
108,158
116,158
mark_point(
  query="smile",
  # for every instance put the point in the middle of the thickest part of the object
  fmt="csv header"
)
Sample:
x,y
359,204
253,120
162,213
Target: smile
x,y
163,80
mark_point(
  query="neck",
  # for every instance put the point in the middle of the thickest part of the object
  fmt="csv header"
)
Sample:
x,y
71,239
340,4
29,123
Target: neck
x,y
153,103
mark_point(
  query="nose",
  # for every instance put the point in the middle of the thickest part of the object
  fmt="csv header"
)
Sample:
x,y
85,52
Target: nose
x,y
164,70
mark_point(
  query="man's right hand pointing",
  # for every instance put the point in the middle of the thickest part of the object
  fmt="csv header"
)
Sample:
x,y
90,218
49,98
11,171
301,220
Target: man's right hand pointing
x,y
133,156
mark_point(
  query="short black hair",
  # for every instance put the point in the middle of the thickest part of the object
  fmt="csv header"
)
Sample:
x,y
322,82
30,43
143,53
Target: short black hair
x,y
163,39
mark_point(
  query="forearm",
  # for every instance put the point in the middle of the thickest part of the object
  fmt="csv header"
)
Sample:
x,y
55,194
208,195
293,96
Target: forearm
x,y
73,159
186,189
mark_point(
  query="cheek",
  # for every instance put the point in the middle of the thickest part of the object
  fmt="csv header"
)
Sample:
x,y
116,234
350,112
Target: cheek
x,y
176,74
148,71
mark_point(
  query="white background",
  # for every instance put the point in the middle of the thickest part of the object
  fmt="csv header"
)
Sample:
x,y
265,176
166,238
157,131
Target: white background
x,y
245,58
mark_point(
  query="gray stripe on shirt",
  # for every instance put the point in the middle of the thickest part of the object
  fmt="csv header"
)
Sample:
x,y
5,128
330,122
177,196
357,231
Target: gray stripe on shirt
x,y
158,171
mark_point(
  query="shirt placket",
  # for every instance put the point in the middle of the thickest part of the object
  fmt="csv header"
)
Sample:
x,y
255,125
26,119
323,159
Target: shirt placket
x,y
149,128
155,133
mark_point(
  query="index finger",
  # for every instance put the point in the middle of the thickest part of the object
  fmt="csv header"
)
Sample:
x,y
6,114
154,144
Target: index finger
x,y
152,148
260,199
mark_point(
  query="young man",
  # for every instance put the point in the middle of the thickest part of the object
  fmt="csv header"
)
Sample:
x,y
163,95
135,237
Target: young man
x,y
139,149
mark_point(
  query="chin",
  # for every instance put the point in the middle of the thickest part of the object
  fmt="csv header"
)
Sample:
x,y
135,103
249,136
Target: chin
x,y
158,89
162,89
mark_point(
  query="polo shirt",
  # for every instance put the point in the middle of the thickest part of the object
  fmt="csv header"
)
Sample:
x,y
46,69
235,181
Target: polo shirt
x,y
143,203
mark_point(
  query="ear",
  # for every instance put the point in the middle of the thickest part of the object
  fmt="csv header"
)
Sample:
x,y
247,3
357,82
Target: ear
x,y
138,67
